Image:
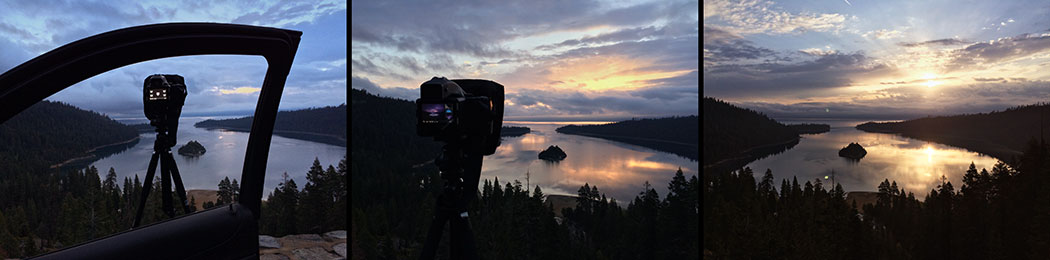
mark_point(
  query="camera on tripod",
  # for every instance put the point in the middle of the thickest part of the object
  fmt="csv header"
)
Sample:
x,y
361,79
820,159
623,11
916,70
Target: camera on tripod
x,y
162,98
465,111
467,115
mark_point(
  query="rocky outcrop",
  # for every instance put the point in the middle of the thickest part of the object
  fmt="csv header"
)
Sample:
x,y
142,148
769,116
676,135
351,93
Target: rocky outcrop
x,y
553,153
331,245
853,151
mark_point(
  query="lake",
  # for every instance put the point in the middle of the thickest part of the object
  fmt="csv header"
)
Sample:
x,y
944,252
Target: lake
x,y
618,169
224,157
915,165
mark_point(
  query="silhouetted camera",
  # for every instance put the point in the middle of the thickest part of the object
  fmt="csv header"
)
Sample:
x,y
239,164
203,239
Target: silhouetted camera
x,y
464,111
162,100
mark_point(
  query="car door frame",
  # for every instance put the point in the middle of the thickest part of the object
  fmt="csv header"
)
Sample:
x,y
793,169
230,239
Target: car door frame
x,y
227,232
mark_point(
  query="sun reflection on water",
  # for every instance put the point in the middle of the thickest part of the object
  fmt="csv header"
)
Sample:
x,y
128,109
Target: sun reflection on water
x,y
915,165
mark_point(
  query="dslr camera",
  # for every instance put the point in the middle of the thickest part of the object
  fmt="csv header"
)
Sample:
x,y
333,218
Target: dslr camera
x,y
162,97
468,112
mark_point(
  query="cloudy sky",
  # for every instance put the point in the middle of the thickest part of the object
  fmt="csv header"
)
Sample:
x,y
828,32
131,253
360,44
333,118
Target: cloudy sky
x,y
217,84
876,59
559,60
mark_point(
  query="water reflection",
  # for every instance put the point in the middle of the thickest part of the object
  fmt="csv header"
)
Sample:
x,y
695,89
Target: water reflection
x,y
619,170
915,165
224,157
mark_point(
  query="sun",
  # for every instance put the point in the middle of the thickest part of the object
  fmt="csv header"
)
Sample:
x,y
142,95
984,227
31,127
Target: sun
x,y
930,80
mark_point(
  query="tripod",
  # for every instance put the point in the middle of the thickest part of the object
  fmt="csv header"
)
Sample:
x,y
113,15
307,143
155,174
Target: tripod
x,y
168,172
461,173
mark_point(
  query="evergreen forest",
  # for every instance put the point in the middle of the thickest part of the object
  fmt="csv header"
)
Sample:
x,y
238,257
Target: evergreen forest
x,y
395,186
997,214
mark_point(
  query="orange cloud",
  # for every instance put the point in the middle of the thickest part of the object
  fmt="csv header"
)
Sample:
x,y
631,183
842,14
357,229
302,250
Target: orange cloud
x,y
240,90
607,73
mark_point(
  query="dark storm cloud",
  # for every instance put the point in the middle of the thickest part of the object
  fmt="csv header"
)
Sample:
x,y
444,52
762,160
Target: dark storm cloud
x,y
942,42
828,71
1003,49
722,46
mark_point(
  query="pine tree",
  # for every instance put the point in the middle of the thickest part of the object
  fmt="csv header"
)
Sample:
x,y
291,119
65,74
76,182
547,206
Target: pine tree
x,y
312,201
225,193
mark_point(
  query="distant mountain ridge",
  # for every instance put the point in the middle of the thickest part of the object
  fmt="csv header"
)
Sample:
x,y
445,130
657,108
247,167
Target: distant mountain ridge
x,y
50,133
734,136
324,124
1001,134
677,135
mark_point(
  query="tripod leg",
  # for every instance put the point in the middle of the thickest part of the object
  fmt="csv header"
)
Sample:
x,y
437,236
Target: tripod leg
x,y
146,188
462,237
179,188
165,185
437,227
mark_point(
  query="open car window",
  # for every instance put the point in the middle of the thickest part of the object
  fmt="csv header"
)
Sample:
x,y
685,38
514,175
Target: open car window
x,y
81,199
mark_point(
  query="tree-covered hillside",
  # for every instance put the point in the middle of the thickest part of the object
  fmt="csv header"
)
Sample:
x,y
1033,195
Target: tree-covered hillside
x,y
52,132
324,124
730,131
678,135
1002,134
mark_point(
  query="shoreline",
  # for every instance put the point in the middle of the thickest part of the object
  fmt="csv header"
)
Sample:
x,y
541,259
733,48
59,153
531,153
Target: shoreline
x,y
90,151
748,153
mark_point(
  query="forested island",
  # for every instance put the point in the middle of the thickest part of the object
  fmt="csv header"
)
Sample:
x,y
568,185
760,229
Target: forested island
x,y
735,136
677,135
1001,134
324,124
392,184
853,151
552,154
192,148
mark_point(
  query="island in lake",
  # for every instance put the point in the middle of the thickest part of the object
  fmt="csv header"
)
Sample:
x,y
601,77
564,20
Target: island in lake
x,y
193,149
853,151
553,153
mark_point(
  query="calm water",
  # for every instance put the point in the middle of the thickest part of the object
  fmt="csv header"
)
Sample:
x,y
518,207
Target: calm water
x,y
224,157
915,165
619,170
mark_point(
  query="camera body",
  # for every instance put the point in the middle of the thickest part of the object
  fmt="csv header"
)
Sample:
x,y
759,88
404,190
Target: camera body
x,y
162,98
464,111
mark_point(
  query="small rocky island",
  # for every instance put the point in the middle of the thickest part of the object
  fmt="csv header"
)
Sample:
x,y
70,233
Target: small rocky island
x,y
553,153
193,148
853,151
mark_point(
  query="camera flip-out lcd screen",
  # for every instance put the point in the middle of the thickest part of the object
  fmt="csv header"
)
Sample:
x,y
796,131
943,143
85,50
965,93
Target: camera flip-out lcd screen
x,y
437,111
158,94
